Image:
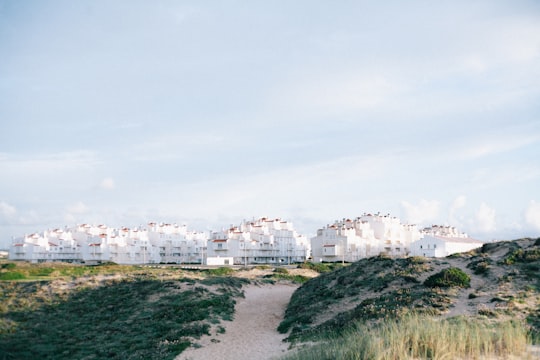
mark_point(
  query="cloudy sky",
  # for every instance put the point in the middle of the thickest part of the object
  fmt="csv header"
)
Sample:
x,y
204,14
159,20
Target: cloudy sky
x,y
208,113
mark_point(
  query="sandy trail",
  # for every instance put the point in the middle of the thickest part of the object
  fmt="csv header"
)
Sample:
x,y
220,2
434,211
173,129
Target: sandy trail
x,y
252,335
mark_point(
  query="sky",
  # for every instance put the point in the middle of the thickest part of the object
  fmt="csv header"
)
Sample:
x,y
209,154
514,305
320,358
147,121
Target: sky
x,y
207,113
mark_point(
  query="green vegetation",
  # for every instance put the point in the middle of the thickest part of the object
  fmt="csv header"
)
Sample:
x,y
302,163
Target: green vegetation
x,y
139,316
56,270
420,337
12,275
281,273
383,308
448,278
321,267
522,256
365,283
221,271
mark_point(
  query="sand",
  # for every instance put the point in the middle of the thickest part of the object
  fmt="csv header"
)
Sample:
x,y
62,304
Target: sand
x,y
252,334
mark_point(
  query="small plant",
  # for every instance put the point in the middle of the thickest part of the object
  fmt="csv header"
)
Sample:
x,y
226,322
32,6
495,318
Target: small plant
x,y
522,256
221,271
449,277
12,275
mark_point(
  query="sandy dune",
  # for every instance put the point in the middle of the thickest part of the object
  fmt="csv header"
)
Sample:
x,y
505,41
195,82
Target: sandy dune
x,y
252,335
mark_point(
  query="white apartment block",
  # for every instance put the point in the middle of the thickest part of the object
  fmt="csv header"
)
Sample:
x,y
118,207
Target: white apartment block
x,y
262,241
365,236
441,241
89,244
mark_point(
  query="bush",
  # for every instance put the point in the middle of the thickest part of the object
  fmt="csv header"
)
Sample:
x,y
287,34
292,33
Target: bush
x,y
12,275
448,278
41,271
221,271
280,270
8,266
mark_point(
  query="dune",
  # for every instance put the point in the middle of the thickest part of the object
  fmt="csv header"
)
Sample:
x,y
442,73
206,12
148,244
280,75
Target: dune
x,y
252,334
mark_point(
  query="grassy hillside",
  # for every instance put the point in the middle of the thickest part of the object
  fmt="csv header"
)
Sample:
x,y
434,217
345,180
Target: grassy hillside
x,y
496,286
64,311
112,312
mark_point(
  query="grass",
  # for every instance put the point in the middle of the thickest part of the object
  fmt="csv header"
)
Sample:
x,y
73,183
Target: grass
x,y
420,337
141,316
62,270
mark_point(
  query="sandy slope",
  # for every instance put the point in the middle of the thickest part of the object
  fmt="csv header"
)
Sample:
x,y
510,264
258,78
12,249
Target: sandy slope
x,y
252,335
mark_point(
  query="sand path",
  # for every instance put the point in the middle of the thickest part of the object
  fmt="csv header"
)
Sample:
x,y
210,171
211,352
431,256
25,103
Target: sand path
x,y
252,335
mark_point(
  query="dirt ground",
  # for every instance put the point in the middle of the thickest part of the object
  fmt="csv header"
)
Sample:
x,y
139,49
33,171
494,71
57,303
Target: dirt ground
x,y
252,334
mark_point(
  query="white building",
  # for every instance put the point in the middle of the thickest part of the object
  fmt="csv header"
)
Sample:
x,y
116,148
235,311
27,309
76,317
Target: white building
x,y
441,241
176,244
89,244
365,236
262,241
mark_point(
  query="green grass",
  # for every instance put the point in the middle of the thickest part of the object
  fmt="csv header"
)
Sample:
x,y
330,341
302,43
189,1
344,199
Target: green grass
x,y
135,318
420,337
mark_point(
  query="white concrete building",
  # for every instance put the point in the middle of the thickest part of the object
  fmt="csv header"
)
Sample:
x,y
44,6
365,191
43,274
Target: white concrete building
x,y
89,244
176,244
262,241
365,236
441,241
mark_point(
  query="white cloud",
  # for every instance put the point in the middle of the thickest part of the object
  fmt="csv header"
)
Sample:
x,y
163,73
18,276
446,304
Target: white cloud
x,y
485,219
338,93
7,210
107,184
532,215
76,212
78,208
174,146
497,145
458,203
425,211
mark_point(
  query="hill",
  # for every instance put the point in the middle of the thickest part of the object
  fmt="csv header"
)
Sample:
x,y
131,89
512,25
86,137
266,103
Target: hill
x,y
63,311
496,283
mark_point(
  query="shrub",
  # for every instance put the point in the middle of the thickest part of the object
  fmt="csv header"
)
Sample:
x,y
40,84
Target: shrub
x,y
522,256
41,271
8,266
449,277
12,275
221,271
320,267
281,270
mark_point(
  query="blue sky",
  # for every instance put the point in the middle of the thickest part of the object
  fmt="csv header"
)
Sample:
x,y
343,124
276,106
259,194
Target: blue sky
x,y
207,113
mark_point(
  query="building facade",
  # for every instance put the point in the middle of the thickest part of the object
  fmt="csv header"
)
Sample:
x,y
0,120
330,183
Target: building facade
x,y
90,244
441,241
262,241
365,236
